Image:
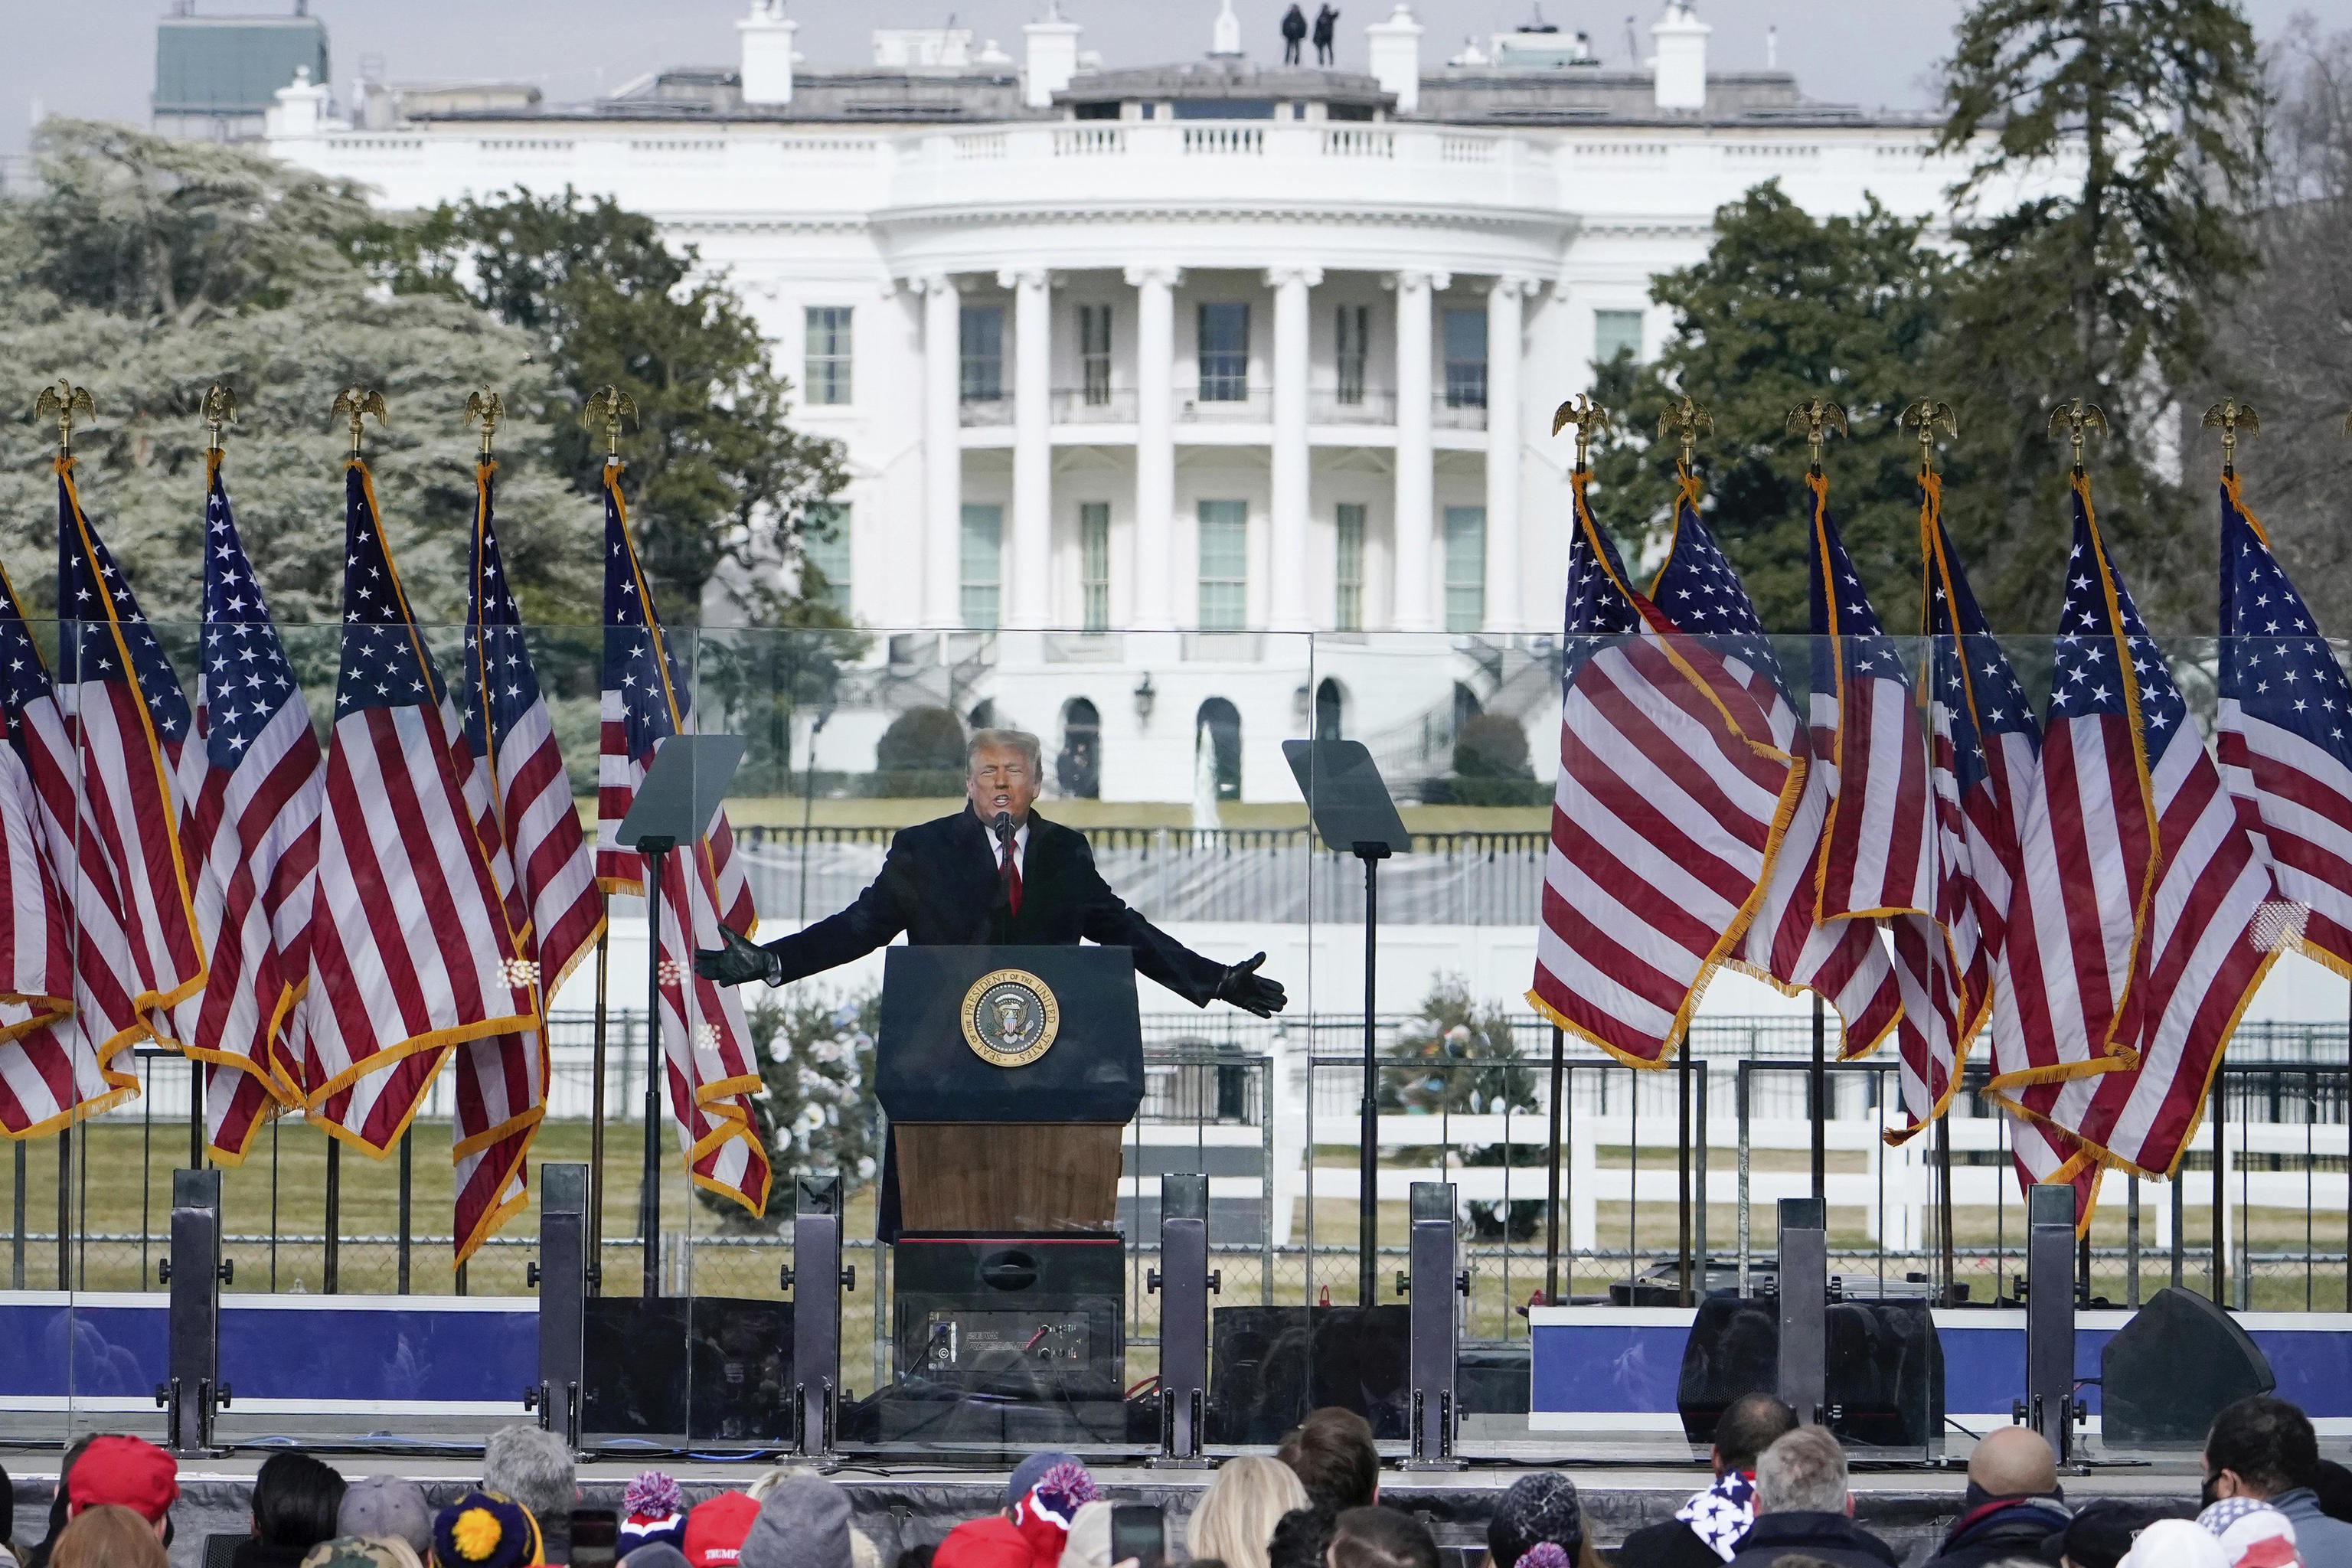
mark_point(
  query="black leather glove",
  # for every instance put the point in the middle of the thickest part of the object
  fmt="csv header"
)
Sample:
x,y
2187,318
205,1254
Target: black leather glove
x,y
1245,988
739,960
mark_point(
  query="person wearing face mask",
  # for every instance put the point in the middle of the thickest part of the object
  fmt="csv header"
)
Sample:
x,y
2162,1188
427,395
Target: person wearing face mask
x,y
2263,1449
995,873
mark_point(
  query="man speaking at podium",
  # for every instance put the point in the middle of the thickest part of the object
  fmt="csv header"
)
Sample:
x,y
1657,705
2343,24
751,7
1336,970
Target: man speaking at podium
x,y
993,874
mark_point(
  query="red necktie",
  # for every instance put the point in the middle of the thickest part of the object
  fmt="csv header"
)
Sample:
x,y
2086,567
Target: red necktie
x,y
1009,873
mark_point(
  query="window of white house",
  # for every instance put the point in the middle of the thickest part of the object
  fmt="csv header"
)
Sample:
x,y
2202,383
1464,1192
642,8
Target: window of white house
x,y
1224,565
1094,354
1354,334
1348,613
824,549
1615,332
825,373
1224,353
981,333
1094,563
1466,568
1466,359
982,563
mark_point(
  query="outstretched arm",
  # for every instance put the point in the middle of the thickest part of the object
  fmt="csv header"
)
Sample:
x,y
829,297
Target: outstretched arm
x,y
1200,981
870,921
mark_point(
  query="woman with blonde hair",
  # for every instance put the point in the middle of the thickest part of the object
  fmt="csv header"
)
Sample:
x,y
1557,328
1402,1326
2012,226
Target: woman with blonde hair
x,y
1237,1514
107,1537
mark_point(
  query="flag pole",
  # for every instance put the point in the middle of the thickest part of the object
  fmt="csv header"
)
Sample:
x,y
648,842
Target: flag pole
x,y
220,408
596,1115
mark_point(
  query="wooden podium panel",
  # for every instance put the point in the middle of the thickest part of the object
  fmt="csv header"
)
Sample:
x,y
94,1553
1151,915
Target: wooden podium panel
x,y
1022,1176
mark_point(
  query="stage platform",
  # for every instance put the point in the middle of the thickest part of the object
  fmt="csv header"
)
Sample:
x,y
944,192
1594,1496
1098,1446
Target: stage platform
x,y
903,1505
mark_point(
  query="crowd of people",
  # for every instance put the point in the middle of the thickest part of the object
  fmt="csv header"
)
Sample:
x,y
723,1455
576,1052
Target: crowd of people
x,y
1780,1497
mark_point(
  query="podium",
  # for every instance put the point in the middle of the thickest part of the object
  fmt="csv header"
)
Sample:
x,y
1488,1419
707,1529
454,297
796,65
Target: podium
x,y
1009,1075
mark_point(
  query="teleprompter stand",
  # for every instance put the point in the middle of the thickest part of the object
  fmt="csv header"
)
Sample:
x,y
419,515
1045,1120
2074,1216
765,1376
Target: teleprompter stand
x,y
680,794
1352,811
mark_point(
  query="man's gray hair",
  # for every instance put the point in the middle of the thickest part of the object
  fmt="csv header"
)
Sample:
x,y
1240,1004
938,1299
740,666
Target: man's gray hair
x,y
534,1468
1020,741
1802,1472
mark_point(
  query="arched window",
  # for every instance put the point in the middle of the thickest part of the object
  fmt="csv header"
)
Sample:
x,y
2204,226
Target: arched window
x,y
1330,704
1077,770
1218,728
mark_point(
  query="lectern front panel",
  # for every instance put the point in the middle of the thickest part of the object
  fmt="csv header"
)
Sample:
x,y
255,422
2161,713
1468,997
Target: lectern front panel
x,y
1011,1176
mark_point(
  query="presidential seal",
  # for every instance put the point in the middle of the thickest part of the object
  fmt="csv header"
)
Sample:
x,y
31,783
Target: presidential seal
x,y
1010,1017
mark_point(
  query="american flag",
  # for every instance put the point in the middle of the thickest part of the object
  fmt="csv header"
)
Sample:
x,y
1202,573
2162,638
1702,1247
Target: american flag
x,y
49,1075
411,951
705,1038
1987,755
130,721
1877,851
2087,841
2213,928
254,783
1670,783
554,903
2287,733
1844,961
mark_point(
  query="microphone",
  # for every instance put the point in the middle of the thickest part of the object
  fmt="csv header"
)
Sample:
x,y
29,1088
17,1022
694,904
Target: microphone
x,y
1003,827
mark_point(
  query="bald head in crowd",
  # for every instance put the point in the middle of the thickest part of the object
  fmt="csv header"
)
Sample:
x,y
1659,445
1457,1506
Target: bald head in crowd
x,y
2014,1461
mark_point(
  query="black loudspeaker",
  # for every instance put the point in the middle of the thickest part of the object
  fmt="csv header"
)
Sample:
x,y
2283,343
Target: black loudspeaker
x,y
1268,1367
1883,1363
698,1367
2169,1371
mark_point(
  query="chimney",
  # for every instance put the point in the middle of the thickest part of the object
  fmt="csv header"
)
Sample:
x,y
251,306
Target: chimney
x,y
767,54
1396,56
1679,65
301,109
1053,58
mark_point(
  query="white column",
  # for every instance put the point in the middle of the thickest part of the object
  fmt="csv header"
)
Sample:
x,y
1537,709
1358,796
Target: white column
x,y
942,570
1286,599
1416,485
1503,439
1030,564
1155,444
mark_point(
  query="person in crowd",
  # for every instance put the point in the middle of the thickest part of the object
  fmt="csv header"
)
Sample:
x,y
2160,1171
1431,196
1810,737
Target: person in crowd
x,y
1332,1453
2264,1448
918,1556
2097,1537
656,1554
125,1472
108,1535
1802,1508
1373,1537
716,1529
652,1509
60,1507
1326,28
1089,1543
1540,1509
486,1530
1301,1539
2175,1543
536,1470
1238,1512
1294,33
1705,1531
362,1552
2252,1533
387,1507
297,1503
8,1520
2012,1504
1030,1532
2331,1483
803,1523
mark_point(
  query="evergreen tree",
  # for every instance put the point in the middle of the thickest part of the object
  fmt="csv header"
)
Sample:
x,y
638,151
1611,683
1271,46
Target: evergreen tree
x,y
720,486
2112,155
1783,308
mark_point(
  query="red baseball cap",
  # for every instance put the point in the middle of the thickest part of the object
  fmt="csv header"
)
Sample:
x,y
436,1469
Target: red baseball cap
x,y
127,1472
715,1530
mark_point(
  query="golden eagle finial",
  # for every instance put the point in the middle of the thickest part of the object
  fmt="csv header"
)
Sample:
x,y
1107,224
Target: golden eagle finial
x,y
2072,416
1814,418
608,406
218,408
489,408
1686,419
67,402
1586,415
2232,418
354,402
1924,416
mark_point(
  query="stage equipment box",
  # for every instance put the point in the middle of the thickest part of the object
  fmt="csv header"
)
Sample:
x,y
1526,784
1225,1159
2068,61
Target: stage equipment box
x,y
1268,1367
700,1367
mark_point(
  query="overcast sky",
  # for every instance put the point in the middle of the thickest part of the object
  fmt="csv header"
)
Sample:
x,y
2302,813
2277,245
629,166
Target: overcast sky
x,y
96,58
